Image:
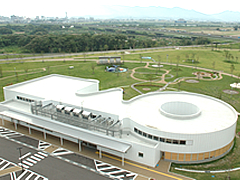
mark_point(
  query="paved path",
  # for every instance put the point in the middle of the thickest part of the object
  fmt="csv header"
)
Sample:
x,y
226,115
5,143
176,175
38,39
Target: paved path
x,y
177,80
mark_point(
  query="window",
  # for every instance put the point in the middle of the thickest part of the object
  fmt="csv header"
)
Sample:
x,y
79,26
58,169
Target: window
x,y
156,138
24,99
162,139
168,141
175,141
183,142
140,154
150,136
135,130
139,132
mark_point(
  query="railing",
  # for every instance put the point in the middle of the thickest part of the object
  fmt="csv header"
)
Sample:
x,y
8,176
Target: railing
x,y
101,124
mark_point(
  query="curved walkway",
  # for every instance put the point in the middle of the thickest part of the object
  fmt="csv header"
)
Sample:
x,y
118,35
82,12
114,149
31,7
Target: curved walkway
x,y
177,80
208,171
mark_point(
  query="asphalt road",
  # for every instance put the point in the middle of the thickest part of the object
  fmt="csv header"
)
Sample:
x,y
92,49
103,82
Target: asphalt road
x,y
48,167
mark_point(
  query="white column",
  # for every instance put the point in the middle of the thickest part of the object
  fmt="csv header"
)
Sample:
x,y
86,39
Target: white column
x,y
61,141
79,145
29,129
100,152
2,121
44,134
15,125
122,159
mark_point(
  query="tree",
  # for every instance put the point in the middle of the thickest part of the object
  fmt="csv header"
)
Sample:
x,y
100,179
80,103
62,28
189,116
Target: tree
x,y
193,56
179,85
226,54
105,47
238,78
198,75
177,68
150,78
232,67
122,52
84,55
235,28
42,56
5,30
159,62
1,74
16,75
213,64
26,70
93,67
48,69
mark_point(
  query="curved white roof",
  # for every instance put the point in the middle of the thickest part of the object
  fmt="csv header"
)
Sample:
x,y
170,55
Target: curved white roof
x,y
181,112
174,112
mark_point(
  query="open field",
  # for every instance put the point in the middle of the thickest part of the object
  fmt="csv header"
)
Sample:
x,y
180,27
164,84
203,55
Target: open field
x,y
18,72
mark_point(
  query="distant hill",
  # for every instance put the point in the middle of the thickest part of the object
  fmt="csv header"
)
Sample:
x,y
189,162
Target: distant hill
x,y
123,12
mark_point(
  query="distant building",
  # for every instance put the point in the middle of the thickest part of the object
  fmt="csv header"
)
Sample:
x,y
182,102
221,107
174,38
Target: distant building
x,y
181,21
109,60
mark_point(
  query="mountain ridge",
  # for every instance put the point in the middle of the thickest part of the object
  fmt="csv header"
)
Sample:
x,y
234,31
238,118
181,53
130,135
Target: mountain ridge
x,y
158,12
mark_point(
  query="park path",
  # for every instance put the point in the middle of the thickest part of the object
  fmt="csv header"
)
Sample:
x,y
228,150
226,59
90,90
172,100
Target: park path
x,y
177,80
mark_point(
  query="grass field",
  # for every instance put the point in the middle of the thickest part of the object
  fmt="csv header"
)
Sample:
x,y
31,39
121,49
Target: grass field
x,y
18,72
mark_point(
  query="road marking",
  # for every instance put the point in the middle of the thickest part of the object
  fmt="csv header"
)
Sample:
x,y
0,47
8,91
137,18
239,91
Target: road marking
x,y
27,163
39,156
32,161
21,175
43,154
36,178
2,162
25,155
35,158
29,176
139,166
6,165
113,171
23,165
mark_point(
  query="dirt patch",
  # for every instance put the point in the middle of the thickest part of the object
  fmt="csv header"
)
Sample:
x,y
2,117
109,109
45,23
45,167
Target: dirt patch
x,y
146,89
229,91
192,81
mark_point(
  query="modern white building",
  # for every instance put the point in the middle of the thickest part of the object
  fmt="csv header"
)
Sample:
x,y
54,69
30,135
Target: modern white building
x,y
180,127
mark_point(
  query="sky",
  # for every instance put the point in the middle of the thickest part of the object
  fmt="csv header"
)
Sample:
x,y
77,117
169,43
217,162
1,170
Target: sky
x,y
57,8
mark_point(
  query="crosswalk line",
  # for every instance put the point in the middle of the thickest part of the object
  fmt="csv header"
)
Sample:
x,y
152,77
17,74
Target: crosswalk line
x,y
25,155
31,160
6,165
2,162
27,163
21,175
35,158
37,177
29,176
39,156
23,165
43,154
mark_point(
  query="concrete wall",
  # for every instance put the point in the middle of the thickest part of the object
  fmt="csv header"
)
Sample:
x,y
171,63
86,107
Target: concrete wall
x,y
10,94
204,142
150,155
